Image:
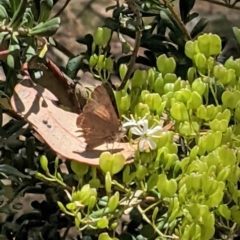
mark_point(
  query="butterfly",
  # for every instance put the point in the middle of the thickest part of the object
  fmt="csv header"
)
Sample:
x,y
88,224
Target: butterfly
x,y
98,121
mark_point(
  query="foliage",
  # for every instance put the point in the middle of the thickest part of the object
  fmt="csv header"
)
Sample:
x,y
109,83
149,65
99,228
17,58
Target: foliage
x,y
182,112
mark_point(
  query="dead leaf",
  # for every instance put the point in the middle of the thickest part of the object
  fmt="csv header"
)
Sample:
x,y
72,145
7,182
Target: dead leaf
x,y
56,126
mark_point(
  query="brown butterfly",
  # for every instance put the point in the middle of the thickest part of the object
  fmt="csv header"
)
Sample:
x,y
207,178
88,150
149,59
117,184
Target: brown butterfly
x,y
99,121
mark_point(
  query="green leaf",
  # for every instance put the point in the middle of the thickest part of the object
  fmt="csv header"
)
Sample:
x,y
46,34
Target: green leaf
x,y
13,57
102,223
185,7
111,163
199,27
74,65
45,10
164,16
113,202
236,32
104,236
79,169
46,29
152,182
44,163
3,13
179,112
11,171
28,18
18,8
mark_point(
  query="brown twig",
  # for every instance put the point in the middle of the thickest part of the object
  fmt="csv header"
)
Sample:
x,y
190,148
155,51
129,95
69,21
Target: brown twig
x,y
62,8
135,8
179,21
62,49
222,4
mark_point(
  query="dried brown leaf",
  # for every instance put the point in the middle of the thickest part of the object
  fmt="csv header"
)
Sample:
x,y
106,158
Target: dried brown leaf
x,y
56,126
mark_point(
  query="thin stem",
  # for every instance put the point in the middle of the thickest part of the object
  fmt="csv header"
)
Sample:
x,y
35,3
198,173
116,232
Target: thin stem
x,y
135,8
179,21
67,230
62,8
222,4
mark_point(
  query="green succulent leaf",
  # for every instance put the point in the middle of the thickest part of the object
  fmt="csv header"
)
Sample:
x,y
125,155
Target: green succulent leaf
x,y
47,28
45,10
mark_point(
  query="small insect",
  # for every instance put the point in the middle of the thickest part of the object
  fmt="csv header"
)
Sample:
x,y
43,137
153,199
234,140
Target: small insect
x,y
98,121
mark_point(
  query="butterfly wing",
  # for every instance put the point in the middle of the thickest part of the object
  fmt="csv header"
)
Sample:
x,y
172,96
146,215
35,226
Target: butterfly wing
x,y
98,121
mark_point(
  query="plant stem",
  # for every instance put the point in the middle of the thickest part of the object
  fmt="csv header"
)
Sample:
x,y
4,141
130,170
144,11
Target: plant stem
x,y
222,4
180,23
135,8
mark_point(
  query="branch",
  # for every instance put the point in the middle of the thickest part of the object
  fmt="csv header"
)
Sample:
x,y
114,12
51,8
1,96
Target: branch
x,y
135,9
180,23
223,4
62,8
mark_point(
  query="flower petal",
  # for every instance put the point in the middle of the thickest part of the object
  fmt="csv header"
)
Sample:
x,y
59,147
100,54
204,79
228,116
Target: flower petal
x,y
141,144
154,130
152,144
136,131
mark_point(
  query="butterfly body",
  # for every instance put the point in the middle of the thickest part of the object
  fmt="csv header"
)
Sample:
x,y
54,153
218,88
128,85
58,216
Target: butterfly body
x,y
98,121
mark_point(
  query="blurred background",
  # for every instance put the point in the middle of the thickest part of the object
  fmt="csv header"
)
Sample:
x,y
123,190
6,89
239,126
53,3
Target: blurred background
x,y
83,16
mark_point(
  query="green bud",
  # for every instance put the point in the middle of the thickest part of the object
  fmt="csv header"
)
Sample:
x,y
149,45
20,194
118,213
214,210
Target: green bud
x,y
215,45
44,163
162,183
108,182
195,101
125,103
111,163
151,78
79,169
100,62
166,65
122,70
98,36
56,163
114,225
71,206
183,95
93,60
139,78
59,176
106,35
170,78
141,172
230,99
224,211
200,61
179,112
224,173
233,64
141,110
102,223
191,48
104,236
191,74
199,86
159,85
77,220
209,44
113,202
108,64
155,213
168,87
153,100
92,202
152,181
211,63
61,206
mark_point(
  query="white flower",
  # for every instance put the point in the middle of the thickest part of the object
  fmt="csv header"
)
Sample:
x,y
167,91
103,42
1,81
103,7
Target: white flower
x,y
146,135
